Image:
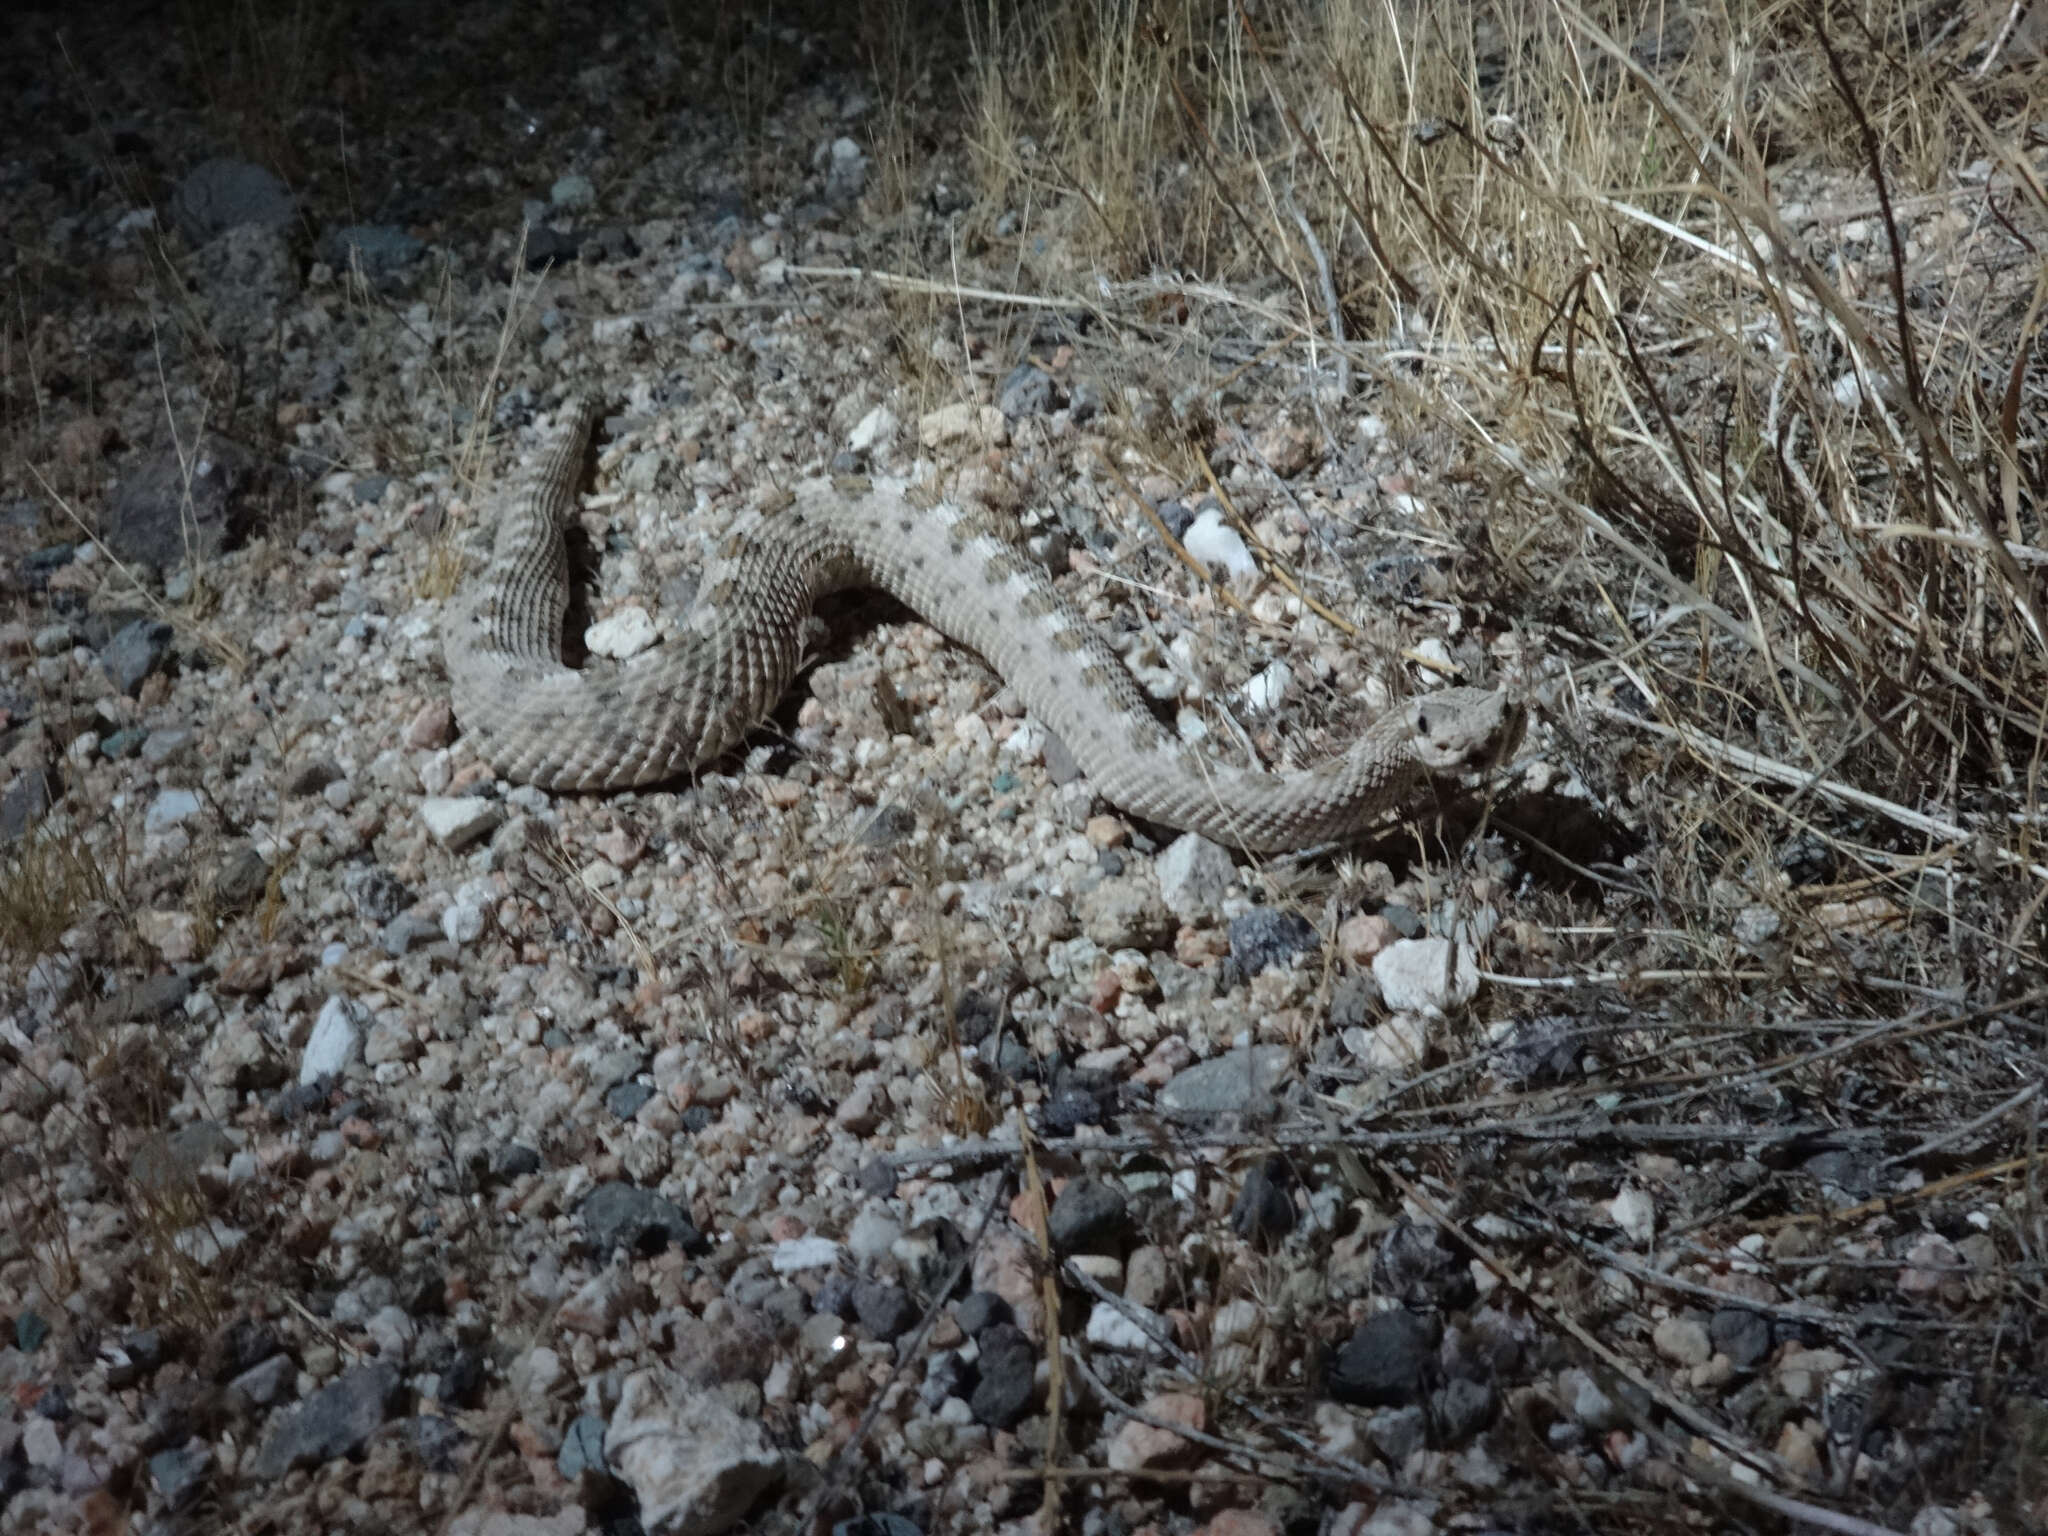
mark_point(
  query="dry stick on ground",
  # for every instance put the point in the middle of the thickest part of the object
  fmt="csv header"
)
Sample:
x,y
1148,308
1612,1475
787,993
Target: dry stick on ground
x,y
1885,1205
1574,1129
2015,12
1135,290
1821,301
1756,1459
1363,217
1805,781
1787,254
1264,1463
1864,1037
1845,1323
1371,1477
1746,761
1332,311
213,639
934,289
1966,1130
1040,1208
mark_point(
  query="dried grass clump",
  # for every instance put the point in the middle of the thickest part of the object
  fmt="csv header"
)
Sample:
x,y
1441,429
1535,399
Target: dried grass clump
x,y
1735,310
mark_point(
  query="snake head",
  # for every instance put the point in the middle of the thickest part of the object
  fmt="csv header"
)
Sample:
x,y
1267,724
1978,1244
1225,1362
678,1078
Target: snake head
x,y
1461,730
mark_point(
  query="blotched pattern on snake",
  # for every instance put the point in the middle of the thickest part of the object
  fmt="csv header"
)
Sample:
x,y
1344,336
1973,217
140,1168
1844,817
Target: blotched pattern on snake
x,y
540,722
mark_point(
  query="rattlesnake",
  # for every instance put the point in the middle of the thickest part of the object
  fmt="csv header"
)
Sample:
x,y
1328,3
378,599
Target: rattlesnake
x,y
682,704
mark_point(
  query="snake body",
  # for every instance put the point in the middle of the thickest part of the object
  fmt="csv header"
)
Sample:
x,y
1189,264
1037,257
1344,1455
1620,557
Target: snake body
x,y
680,705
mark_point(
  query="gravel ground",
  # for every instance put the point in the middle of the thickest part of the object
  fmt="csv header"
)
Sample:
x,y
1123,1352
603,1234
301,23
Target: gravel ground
x,y
841,1138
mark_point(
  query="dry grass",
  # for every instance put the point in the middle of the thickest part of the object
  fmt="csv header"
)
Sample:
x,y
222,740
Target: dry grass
x,y
1715,335
1778,463
256,65
49,880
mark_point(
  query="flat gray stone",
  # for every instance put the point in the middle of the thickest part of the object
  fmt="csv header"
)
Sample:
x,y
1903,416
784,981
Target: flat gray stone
x,y
457,821
334,1043
333,1422
1234,1083
1193,875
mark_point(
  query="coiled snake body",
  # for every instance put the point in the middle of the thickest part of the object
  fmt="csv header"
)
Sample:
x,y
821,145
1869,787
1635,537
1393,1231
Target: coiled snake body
x,y
540,722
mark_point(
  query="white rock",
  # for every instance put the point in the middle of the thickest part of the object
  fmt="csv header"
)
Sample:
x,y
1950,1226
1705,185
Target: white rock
x,y
1269,688
573,190
1396,1045
332,1045
393,1330
1431,648
1635,1213
1109,1328
626,633
871,1236
435,773
1425,975
463,920
974,426
1934,1520
597,1306
1214,542
1240,1319
170,808
52,982
537,1373
41,1442
640,472
1586,1402
208,1244
458,821
174,935
389,1040
1026,741
875,430
1400,1517
1683,1341
695,1465
1193,875
1755,927
804,1253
